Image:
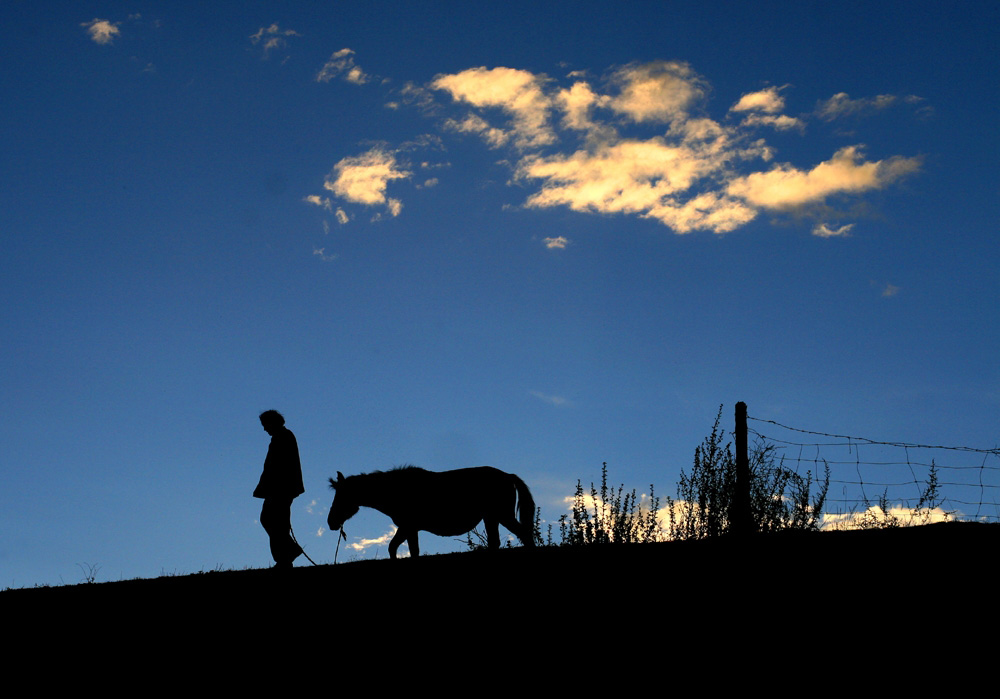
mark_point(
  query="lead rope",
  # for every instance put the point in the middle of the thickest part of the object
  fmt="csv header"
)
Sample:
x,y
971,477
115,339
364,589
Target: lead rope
x,y
343,535
290,531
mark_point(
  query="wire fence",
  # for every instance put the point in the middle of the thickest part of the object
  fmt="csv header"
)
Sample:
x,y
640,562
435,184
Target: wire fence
x,y
890,479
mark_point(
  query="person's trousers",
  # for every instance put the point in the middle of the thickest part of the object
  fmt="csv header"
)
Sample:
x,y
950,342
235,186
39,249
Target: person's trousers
x,y
276,518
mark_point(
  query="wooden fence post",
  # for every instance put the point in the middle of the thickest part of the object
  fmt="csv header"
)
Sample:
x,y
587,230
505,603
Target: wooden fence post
x,y
742,522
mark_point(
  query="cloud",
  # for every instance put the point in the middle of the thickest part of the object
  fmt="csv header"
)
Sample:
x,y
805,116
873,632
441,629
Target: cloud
x,y
363,179
361,543
341,63
475,124
516,92
551,400
660,91
559,242
686,178
875,515
785,186
890,290
762,109
841,105
577,104
102,31
823,230
636,143
768,100
273,37
322,202
648,178
781,122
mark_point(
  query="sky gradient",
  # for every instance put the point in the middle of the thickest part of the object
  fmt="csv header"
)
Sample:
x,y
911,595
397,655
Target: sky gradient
x,y
539,238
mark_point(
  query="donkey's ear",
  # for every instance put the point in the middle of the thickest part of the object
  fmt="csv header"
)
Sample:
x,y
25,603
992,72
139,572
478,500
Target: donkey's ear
x,y
340,476
333,484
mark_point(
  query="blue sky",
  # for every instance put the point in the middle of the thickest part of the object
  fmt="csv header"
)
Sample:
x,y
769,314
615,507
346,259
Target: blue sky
x,y
445,234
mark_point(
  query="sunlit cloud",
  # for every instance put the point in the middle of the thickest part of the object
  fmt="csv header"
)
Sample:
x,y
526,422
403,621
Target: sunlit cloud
x,y
768,100
558,242
342,64
363,179
102,31
649,178
519,93
577,104
361,544
890,290
637,143
893,515
660,91
786,186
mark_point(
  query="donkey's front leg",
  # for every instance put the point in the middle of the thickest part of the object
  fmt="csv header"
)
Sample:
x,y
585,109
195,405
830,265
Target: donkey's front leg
x,y
397,538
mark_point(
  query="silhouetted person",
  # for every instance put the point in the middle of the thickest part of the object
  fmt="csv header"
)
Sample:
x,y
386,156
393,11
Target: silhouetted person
x,y
280,483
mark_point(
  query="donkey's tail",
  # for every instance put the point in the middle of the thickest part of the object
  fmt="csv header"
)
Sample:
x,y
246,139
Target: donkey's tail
x,y
525,512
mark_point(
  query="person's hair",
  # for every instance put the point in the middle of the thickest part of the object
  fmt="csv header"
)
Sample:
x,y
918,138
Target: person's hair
x,y
271,417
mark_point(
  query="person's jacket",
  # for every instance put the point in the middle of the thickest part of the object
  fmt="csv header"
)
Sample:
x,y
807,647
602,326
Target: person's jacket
x,y
282,476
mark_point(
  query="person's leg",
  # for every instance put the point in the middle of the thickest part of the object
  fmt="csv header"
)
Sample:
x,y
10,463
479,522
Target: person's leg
x,y
276,518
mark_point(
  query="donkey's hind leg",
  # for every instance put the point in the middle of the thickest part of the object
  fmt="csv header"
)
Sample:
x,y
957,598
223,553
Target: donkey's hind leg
x,y
492,533
515,528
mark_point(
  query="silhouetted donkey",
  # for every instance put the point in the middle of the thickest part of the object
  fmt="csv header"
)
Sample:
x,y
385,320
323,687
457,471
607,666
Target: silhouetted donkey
x,y
447,503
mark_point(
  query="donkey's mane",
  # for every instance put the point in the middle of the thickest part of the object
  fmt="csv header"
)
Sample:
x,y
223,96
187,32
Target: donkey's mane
x,y
392,474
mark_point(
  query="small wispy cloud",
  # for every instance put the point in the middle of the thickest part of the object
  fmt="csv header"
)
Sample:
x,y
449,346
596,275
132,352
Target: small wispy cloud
x,y
322,202
825,230
101,31
890,290
551,400
361,543
842,105
342,64
558,242
779,122
272,38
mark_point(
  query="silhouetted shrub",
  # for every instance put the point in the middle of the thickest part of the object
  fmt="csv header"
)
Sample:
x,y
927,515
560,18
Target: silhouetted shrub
x,y
609,516
779,497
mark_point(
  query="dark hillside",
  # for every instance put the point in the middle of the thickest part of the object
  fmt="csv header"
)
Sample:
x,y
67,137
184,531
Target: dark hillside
x,y
785,585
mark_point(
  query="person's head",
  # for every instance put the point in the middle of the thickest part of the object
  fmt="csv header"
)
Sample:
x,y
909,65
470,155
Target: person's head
x,y
271,420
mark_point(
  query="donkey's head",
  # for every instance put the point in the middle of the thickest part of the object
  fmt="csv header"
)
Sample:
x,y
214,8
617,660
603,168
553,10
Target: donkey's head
x,y
344,505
